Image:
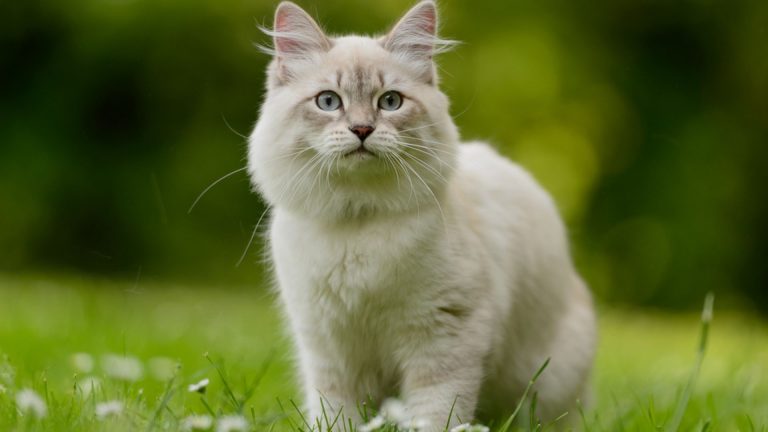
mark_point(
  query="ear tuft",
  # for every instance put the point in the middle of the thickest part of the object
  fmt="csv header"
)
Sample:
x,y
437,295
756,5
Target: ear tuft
x,y
295,33
423,16
414,38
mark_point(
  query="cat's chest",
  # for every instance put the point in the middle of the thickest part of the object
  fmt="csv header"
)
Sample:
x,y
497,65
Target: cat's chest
x,y
351,263
354,265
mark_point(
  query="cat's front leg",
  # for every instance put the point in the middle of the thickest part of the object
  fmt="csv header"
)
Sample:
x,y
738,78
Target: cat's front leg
x,y
330,395
440,382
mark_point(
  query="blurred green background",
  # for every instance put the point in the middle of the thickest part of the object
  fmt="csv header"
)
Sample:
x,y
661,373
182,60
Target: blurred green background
x,y
647,120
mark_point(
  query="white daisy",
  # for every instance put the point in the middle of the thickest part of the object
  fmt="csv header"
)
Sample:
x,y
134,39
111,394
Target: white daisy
x,y
88,385
196,422
393,411
414,424
28,401
81,362
232,423
374,424
199,386
466,427
7,374
109,408
122,367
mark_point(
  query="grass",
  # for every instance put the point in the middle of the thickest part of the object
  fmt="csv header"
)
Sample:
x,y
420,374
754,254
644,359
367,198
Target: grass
x,y
647,374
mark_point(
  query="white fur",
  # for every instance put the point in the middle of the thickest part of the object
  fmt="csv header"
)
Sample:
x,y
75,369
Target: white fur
x,y
434,271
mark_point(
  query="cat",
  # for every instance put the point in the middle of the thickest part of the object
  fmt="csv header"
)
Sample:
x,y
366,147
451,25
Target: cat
x,y
408,264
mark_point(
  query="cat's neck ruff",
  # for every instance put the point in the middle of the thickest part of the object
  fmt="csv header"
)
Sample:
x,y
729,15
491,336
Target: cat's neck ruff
x,y
350,212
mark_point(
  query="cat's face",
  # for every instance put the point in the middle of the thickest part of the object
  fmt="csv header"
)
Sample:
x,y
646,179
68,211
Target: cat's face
x,y
352,125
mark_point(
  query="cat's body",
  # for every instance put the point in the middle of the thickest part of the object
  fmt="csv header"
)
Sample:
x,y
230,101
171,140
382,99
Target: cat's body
x,y
428,277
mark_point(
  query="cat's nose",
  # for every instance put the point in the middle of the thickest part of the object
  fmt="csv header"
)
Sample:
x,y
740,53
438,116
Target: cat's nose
x,y
362,132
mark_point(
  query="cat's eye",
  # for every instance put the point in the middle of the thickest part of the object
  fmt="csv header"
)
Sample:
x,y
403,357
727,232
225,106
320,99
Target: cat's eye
x,y
328,101
390,101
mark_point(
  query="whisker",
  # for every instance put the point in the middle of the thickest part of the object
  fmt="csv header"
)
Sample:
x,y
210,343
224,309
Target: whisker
x,y
434,148
425,151
330,165
422,126
437,202
422,141
232,129
427,167
253,235
318,158
441,121
212,185
388,159
419,148
289,184
292,182
403,165
294,154
319,168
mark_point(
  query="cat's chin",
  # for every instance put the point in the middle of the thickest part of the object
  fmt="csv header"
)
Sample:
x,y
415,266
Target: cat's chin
x,y
359,167
360,153
361,160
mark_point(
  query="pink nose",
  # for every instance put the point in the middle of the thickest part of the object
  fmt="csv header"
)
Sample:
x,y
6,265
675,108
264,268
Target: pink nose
x,y
362,132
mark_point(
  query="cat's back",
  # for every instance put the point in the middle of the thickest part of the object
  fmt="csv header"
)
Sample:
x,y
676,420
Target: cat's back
x,y
511,215
501,191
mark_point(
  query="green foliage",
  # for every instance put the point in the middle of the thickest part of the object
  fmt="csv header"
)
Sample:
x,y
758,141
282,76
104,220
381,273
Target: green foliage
x,y
233,338
645,119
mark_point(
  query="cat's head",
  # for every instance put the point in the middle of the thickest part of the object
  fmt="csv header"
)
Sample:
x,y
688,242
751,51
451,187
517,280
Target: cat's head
x,y
353,125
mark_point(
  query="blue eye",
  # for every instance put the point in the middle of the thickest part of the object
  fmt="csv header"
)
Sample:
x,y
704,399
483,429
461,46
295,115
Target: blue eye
x,y
328,101
390,101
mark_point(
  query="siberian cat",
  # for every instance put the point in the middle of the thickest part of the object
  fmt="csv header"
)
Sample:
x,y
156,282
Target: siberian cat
x,y
409,264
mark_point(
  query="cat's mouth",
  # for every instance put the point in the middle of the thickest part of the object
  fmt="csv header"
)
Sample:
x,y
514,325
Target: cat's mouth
x,y
360,152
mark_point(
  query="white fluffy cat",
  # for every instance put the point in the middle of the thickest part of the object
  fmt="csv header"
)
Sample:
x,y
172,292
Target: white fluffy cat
x,y
409,264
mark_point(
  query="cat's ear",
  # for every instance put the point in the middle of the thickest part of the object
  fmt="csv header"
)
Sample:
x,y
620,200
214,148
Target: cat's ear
x,y
295,32
296,36
414,38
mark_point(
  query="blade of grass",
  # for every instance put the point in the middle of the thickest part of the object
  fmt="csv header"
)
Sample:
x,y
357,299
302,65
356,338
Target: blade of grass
x,y
325,414
554,422
257,380
682,405
507,424
619,414
304,419
750,423
227,389
450,413
207,407
163,402
532,419
583,416
287,417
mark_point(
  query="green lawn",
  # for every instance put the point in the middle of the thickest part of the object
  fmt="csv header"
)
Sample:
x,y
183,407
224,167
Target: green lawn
x,y
643,364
